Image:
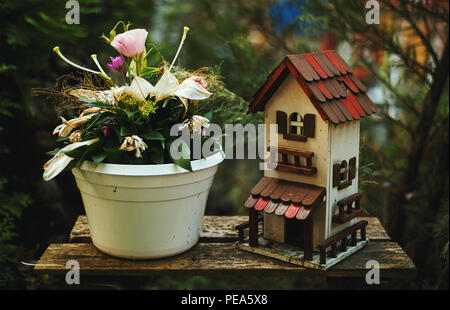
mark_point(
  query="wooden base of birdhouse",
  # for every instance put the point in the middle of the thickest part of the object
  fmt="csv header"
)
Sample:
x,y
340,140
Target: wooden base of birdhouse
x,y
294,255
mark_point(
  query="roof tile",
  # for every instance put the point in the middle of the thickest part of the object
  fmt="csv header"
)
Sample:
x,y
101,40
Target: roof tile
x,y
287,197
303,66
321,75
316,66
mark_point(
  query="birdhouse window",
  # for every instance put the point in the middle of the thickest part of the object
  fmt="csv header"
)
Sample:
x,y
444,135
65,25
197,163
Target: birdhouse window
x,y
296,124
344,173
296,127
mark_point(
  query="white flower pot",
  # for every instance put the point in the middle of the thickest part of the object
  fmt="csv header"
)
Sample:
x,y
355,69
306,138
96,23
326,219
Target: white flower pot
x,y
145,211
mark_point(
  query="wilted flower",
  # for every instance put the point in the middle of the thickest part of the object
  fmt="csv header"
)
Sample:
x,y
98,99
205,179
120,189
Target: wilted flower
x,y
66,127
75,136
57,164
195,124
116,62
130,43
132,143
109,96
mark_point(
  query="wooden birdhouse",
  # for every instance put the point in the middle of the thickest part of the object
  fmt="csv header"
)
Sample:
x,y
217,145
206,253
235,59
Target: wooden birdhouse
x,y
308,199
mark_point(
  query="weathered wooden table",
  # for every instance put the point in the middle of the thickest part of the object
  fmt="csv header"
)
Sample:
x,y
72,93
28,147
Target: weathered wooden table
x,y
216,253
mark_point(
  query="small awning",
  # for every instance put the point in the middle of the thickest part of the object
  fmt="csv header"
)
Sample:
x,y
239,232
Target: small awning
x,y
284,198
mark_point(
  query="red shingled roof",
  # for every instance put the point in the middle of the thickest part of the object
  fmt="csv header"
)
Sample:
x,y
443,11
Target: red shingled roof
x,y
329,82
284,198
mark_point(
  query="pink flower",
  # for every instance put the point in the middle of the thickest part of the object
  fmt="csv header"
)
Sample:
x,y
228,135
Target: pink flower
x,y
116,62
105,131
130,43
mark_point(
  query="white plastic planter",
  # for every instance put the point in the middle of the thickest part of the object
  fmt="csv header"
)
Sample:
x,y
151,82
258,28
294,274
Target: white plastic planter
x,y
145,211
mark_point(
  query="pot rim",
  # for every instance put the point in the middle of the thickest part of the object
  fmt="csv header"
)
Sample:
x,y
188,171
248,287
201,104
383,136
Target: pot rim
x,y
152,170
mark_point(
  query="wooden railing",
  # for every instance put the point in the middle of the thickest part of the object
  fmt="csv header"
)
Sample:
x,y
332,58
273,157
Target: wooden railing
x,y
342,238
346,210
284,165
241,227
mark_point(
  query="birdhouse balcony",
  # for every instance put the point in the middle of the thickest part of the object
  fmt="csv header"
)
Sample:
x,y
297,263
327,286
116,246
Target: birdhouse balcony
x,y
290,160
349,208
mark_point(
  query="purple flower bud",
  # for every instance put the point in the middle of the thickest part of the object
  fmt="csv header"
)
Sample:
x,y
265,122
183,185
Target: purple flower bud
x,y
105,131
116,62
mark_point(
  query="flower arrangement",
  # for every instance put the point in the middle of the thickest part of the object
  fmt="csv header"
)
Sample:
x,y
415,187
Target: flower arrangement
x,y
129,122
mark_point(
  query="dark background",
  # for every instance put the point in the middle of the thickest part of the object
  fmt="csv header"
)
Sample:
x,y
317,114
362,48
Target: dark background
x,y
404,148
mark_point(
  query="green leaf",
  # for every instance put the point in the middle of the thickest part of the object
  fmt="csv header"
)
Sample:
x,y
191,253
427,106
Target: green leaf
x,y
184,163
157,157
92,121
185,160
153,58
208,115
148,71
98,158
114,155
78,152
53,152
95,104
89,101
62,139
153,135
130,114
126,130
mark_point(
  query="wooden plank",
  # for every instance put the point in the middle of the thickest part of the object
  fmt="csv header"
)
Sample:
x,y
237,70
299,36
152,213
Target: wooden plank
x,y
250,202
271,206
211,258
278,192
302,66
317,57
221,229
269,189
303,214
346,217
300,194
261,204
314,195
289,193
342,234
294,152
259,187
291,212
299,170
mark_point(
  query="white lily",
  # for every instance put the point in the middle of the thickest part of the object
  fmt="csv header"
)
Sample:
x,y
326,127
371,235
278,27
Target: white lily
x,y
192,88
57,164
139,88
134,143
